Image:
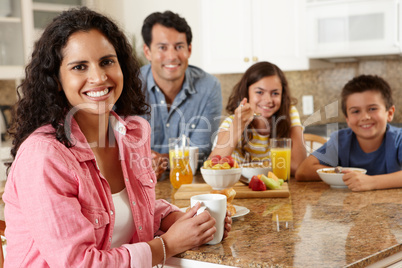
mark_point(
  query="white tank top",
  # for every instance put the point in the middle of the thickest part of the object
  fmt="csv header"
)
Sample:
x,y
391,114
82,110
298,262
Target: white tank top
x,y
124,226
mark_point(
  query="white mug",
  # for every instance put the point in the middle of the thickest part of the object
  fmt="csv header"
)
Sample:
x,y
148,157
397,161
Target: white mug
x,y
216,206
193,151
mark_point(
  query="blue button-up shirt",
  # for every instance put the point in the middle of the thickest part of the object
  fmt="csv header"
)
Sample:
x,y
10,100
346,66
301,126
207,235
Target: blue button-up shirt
x,y
195,112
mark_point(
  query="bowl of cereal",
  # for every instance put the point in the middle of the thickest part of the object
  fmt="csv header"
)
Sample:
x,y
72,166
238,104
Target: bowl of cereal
x,y
333,178
255,168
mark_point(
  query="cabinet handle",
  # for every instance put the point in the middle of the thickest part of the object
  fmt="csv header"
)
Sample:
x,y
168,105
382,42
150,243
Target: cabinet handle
x,y
255,59
246,59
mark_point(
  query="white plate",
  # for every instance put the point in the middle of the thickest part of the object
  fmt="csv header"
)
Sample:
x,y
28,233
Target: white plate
x,y
240,211
174,262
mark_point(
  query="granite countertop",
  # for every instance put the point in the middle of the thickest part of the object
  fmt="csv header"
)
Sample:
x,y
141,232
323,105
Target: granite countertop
x,y
316,226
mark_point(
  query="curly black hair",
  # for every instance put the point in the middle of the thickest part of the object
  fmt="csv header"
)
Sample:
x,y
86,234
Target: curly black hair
x,y
40,102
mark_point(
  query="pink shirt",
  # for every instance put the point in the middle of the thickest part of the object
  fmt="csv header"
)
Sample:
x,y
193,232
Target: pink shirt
x,y
59,209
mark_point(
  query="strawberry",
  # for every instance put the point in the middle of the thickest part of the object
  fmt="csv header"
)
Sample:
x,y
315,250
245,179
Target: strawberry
x,y
215,159
227,159
252,181
258,186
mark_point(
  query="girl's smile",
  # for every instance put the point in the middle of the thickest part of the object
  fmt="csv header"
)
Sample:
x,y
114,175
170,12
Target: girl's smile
x,y
265,96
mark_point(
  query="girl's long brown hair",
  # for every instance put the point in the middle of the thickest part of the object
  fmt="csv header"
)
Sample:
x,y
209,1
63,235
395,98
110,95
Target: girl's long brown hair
x,y
280,121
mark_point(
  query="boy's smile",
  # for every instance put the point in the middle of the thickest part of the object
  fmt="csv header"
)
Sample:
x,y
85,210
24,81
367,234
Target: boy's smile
x,y
367,116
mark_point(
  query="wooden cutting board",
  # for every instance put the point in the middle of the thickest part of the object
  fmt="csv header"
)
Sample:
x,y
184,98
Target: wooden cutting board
x,y
242,191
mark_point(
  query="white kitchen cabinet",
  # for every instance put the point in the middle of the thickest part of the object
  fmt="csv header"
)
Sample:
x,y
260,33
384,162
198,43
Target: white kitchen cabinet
x,y
353,28
230,35
12,39
238,33
43,11
21,22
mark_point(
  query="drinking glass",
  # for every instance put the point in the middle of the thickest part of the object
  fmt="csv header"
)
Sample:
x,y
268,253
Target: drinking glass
x,y
280,157
180,169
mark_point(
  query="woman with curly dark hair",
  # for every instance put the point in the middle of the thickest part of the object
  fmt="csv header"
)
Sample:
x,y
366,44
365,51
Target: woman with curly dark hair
x,y
261,107
80,191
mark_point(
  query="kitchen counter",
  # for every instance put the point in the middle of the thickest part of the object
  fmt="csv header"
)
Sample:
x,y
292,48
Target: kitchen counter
x,y
317,226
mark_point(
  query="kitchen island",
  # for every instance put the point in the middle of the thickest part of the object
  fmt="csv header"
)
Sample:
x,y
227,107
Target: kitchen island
x,y
316,226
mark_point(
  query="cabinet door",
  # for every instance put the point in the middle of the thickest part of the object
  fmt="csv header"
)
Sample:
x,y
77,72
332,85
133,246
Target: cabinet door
x,y
226,34
278,33
11,40
353,28
45,10
240,33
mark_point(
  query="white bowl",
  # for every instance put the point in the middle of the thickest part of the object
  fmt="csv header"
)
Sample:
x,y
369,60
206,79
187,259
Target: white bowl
x,y
335,179
251,169
221,179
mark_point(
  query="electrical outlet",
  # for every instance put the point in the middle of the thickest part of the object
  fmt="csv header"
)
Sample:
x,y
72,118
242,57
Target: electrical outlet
x,y
308,104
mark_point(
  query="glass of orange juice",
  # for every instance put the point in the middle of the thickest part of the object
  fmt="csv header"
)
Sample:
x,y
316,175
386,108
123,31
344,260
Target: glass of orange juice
x,y
280,157
180,169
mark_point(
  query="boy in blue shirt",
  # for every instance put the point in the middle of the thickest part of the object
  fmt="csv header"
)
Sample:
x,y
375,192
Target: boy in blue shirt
x,y
369,142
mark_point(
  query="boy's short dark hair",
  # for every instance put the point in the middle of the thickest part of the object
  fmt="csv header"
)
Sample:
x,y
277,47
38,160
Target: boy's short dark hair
x,y
167,19
364,83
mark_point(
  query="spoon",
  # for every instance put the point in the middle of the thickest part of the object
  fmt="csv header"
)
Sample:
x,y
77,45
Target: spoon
x,y
255,114
338,169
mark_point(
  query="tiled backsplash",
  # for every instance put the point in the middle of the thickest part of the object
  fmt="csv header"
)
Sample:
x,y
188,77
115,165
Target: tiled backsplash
x,y
326,84
8,94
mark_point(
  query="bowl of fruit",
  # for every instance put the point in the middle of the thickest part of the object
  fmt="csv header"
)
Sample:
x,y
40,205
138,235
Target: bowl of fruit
x,y
254,168
221,172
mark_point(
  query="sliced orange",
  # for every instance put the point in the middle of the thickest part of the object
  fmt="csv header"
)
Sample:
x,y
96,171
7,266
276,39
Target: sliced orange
x,y
207,164
272,176
217,166
235,165
225,166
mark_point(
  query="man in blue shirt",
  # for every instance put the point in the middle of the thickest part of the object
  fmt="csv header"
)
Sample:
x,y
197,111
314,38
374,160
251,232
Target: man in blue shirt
x,y
184,99
369,142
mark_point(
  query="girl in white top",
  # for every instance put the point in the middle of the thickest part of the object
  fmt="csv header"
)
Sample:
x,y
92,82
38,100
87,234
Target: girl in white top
x,y
261,108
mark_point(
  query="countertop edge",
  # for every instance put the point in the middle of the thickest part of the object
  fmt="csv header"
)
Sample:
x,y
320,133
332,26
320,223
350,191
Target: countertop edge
x,y
376,257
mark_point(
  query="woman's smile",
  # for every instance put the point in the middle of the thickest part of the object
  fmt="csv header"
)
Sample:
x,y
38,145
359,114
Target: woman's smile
x,y
96,94
90,72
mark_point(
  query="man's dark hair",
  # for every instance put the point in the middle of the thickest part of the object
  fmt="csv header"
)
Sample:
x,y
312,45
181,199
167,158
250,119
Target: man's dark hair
x,y
167,19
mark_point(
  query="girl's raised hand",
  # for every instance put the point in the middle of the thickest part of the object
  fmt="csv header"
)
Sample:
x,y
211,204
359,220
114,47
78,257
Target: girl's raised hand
x,y
244,114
